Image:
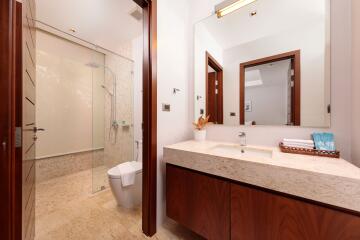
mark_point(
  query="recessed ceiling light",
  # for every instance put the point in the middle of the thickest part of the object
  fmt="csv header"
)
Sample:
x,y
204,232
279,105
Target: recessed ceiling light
x,y
72,30
253,13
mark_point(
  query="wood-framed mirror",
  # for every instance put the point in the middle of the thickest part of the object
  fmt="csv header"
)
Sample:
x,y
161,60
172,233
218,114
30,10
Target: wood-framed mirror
x,y
282,48
279,92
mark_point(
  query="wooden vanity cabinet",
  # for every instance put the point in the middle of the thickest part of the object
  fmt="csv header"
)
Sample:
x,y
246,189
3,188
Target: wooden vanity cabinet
x,y
258,214
198,202
217,208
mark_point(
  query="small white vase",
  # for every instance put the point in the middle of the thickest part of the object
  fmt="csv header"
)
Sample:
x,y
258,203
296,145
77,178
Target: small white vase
x,y
200,135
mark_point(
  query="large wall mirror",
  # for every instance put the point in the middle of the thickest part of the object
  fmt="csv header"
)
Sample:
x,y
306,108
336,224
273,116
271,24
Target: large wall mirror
x,y
267,63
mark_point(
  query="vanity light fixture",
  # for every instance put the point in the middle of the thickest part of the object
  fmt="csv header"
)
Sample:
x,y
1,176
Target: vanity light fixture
x,y
229,6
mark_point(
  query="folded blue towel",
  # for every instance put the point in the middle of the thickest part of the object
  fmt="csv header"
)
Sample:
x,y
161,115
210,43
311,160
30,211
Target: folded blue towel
x,y
324,141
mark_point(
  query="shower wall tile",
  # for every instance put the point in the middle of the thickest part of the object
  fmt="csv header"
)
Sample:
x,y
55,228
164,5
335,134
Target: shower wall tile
x,y
119,144
52,167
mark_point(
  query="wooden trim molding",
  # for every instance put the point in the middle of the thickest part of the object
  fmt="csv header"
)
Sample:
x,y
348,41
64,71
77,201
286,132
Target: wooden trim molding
x,y
8,167
17,221
149,117
295,57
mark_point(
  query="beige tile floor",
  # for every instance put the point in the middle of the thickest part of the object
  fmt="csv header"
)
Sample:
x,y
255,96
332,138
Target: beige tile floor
x,y
67,210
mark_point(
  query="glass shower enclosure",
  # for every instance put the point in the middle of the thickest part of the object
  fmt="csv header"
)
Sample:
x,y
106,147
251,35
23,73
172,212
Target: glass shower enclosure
x,y
113,110
93,97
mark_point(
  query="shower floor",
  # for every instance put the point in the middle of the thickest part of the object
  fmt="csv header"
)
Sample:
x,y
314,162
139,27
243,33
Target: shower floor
x,y
66,209
100,178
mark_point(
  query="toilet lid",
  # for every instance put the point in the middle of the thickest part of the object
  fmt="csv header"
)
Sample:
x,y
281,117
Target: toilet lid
x,y
137,166
115,172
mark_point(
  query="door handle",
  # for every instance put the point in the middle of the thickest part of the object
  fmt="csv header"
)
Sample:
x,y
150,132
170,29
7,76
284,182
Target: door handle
x,y
35,129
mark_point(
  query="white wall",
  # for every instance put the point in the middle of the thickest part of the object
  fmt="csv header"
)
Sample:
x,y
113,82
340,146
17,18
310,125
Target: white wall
x,y
172,72
341,84
65,97
356,82
313,105
269,101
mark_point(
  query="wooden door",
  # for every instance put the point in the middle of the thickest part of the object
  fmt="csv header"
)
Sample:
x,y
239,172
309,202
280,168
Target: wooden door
x,y
28,119
256,214
198,202
214,90
212,97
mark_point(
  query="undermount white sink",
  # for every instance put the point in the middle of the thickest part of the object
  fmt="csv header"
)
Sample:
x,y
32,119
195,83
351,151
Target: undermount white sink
x,y
237,150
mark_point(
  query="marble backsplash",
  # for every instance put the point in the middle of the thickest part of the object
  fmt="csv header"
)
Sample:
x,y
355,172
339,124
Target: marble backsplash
x,y
52,167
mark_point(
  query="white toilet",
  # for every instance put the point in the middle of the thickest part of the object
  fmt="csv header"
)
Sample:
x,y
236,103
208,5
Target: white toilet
x,y
129,196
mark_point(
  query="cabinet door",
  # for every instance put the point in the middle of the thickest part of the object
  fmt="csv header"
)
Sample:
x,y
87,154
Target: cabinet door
x,y
260,215
198,202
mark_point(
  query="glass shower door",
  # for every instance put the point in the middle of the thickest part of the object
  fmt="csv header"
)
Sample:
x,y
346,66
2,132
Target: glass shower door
x,y
113,133
98,122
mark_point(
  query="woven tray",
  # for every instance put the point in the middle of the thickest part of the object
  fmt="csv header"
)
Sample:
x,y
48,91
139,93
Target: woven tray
x,y
313,152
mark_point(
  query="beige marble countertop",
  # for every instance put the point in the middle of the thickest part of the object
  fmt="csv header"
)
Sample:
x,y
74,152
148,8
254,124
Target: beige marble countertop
x,y
327,180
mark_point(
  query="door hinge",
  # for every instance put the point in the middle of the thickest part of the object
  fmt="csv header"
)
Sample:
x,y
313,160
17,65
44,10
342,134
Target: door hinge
x,y
216,91
18,137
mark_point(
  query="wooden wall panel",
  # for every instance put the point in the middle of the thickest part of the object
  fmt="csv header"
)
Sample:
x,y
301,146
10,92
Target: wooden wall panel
x,y
28,119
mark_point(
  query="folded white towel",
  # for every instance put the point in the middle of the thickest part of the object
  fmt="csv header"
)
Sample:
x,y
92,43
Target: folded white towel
x,y
286,140
127,173
299,146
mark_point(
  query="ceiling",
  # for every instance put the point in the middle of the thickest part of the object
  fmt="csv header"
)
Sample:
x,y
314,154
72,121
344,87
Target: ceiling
x,y
269,74
106,23
273,16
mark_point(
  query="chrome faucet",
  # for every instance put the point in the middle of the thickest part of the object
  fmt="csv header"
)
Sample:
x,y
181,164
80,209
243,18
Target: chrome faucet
x,y
242,136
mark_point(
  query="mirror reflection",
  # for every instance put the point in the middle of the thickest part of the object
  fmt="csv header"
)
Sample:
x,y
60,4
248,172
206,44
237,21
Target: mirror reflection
x,y
267,63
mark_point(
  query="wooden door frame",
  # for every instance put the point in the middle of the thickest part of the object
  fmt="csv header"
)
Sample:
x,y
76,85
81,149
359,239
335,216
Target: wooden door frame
x,y
10,179
149,116
211,61
296,57
10,170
